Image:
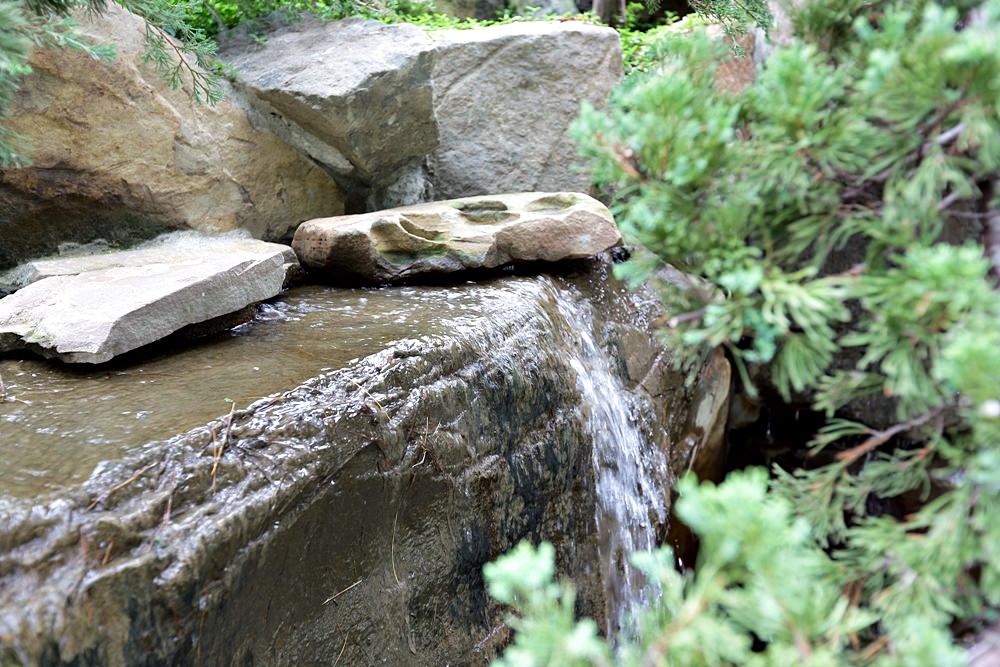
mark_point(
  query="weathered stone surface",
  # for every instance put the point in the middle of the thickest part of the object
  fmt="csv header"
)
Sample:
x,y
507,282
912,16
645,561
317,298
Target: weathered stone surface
x,y
504,98
348,518
119,155
90,309
355,95
457,235
402,115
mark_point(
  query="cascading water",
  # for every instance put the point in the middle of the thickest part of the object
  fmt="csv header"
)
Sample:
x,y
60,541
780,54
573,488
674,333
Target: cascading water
x,y
631,473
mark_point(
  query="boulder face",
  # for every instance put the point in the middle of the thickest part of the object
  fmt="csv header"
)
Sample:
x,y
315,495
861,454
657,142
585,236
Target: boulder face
x,y
91,309
116,154
457,235
504,98
349,517
416,115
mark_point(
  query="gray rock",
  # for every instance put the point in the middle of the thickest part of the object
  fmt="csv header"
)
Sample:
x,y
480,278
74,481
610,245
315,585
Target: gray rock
x,y
469,111
504,98
354,95
457,235
90,309
118,154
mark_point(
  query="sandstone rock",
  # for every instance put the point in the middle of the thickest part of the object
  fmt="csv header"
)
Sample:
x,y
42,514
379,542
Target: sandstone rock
x,y
91,309
403,115
457,235
119,155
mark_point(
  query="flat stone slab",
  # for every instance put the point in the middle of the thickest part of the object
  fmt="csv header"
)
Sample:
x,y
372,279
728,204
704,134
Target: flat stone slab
x,y
457,235
91,309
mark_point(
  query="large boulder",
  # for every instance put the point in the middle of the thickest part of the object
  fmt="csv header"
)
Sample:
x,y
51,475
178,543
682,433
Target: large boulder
x,y
91,309
403,115
117,154
457,235
347,520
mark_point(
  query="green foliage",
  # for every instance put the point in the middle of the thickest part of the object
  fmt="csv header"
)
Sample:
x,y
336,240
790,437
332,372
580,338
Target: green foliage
x,y
759,575
829,220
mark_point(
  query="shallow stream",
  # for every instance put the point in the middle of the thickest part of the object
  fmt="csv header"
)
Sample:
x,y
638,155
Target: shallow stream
x,y
66,420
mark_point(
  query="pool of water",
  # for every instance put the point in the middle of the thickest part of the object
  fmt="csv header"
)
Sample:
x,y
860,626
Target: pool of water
x,y
66,420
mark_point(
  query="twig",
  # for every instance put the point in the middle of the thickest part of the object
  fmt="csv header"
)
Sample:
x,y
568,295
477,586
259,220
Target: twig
x,y
122,485
368,394
337,595
392,547
341,654
881,437
218,451
107,553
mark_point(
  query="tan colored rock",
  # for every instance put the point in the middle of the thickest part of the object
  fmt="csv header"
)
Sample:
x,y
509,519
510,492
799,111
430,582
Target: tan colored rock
x,y
117,154
456,235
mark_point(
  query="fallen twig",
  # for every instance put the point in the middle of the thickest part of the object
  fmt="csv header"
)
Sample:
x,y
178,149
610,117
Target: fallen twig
x,y
337,595
392,547
122,485
341,654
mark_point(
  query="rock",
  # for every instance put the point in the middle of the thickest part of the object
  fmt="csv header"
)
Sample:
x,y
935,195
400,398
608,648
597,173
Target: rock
x,y
403,115
118,155
354,95
504,98
348,517
91,309
456,235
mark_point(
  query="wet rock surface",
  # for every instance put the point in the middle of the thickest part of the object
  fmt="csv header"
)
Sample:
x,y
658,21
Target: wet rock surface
x,y
91,309
117,154
349,516
401,115
466,234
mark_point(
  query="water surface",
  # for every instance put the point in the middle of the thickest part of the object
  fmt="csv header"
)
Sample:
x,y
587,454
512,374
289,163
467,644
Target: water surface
x,y
68,419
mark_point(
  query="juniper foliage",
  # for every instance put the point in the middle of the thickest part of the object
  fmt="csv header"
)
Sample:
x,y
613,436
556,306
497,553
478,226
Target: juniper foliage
x,y
837,221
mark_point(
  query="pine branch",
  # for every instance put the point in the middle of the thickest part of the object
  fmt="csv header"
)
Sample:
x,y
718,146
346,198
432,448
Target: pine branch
x,y
879,438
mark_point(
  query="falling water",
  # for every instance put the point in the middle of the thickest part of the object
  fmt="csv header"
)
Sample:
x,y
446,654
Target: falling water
x,y
630,472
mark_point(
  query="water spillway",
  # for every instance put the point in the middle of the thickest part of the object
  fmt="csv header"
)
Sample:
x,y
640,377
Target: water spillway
x,y
385,445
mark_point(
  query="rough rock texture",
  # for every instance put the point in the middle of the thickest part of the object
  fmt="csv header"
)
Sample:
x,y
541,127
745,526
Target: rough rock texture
x,y
91,309
401,115
504,98
354,95
457,235
118,155
351,515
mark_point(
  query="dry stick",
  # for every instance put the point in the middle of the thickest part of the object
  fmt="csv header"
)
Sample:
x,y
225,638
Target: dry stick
x,y
218,451
392,547
122,485
341,654
107,553
337,595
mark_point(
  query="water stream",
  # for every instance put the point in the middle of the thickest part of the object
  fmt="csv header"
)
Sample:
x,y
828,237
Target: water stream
x,y
631,473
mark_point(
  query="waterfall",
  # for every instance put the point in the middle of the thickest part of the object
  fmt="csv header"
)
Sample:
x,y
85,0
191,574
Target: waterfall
x,y
631,473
